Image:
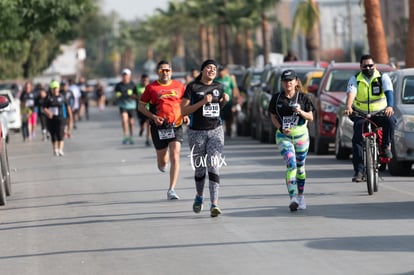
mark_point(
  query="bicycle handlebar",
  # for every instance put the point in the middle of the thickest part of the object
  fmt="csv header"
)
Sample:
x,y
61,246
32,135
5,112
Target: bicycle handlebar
x,y
369,115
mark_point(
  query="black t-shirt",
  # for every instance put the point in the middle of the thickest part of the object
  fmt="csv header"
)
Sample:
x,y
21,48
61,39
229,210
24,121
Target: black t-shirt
x,y
126,90
206,117
281,106
28,100
57,105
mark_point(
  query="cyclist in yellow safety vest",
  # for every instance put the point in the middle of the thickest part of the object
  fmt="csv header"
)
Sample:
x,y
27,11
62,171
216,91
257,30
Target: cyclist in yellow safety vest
x,y
369,91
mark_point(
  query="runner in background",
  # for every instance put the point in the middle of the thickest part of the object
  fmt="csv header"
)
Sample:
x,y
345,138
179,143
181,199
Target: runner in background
x,y
142,119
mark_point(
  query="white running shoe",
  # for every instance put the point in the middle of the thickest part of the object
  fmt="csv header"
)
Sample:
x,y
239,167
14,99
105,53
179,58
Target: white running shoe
x,y
61,153
171,195
293,204
302,203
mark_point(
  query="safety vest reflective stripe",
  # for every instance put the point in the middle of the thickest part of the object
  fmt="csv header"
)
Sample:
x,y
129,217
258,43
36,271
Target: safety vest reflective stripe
x,y
365,100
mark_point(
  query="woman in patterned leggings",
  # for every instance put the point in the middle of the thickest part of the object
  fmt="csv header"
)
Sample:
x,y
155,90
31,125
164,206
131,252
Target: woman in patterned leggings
x,y
203,100
290,110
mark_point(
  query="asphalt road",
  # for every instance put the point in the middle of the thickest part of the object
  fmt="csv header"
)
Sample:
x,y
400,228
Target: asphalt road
x,y
102,209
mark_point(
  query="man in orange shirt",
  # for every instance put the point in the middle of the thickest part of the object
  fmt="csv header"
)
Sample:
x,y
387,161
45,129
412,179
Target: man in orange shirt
x,y
164,97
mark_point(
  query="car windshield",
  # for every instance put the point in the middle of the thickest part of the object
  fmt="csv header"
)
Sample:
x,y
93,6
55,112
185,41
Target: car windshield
x,y
338,80
407,92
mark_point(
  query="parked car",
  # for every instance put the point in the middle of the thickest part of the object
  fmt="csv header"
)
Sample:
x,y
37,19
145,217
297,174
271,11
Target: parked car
x,y
261,122
14,119
109,86
250,81
5,181
312,81
15,88
327,98
403,140
238,71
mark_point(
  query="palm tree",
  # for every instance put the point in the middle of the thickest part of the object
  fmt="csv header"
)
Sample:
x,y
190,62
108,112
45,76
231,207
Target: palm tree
x,y
262,7
307,21
376,34
203,12
174,25
409,51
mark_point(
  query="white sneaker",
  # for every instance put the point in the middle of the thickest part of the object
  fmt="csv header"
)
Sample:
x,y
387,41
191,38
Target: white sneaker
x,y
163,169
61,153
302,203
293,204
171,195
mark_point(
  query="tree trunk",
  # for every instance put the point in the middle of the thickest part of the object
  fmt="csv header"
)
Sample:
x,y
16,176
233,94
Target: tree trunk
x,y
409,51
179,54
312,43
266,39
222,44
203,42
250,48
211,44
228,53
239,56
376,35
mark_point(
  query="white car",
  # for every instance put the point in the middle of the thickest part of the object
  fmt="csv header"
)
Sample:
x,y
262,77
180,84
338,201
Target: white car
x,y
14,119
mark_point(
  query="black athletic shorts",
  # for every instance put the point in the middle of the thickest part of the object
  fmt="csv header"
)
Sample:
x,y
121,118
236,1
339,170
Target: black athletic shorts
x,y
130,112
160,144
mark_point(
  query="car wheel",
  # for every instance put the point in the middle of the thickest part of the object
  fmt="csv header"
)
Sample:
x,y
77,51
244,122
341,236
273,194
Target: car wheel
x,y
341,153
261,133
4,159
253,128
243,129
2,190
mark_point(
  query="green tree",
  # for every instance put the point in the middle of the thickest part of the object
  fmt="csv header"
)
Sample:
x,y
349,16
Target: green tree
x,y
262,6
306,21
24,24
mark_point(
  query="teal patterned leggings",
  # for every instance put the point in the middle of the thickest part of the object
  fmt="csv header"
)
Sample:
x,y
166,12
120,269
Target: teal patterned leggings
x,y
294,151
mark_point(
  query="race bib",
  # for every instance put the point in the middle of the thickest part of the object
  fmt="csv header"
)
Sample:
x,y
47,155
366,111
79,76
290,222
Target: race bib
x,y
211,110
54,110
290,121
166,133
29,103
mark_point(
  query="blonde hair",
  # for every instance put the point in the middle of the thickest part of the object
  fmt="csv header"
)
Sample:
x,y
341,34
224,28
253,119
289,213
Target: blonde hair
x,y
299,86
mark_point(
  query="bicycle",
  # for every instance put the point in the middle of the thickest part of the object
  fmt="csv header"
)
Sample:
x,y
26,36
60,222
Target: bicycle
x,y
372,139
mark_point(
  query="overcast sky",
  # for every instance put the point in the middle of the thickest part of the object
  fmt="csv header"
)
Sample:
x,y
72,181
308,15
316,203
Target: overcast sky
x,y
131,9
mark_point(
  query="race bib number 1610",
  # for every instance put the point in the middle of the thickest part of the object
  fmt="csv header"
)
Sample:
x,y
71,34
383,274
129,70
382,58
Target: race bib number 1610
x,y
211,110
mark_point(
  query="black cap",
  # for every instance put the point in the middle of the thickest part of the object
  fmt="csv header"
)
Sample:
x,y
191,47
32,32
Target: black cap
x,y
289,75
208,62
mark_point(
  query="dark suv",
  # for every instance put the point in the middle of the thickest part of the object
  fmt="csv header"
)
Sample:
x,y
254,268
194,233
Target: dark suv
x,y
327,98
261,123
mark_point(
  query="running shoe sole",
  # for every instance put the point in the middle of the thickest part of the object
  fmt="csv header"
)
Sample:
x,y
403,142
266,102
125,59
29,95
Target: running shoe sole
x,y
293,206
215,211
197,207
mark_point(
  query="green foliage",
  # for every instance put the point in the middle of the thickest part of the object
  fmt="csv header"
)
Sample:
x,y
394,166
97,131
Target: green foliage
x,y
306,16
32,30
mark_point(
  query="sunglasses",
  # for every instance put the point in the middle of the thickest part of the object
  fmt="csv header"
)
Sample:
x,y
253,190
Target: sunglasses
x,y
368,66
164,71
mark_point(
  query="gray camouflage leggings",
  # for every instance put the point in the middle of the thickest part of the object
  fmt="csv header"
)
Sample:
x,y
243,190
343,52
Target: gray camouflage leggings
x,y
206,147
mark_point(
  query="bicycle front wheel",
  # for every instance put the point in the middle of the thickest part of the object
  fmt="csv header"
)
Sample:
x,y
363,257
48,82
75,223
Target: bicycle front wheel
x,y
369,166
375,157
